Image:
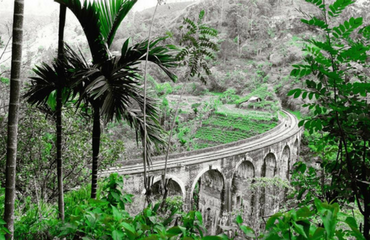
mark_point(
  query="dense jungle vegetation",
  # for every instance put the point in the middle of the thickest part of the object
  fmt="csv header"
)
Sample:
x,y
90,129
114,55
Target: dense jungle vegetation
x,y
82,96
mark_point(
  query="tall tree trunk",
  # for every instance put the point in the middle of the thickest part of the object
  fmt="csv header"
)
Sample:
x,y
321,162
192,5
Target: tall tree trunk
x,y
15,85
95,149
62,19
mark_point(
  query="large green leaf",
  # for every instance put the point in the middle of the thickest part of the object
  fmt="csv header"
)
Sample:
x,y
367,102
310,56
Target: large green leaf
x,y
117,235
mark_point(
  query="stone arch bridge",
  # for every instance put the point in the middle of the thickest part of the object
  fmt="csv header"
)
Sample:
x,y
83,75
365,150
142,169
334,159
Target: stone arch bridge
x,y
217,180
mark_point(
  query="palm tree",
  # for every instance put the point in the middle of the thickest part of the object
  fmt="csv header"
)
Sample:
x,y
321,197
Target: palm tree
x,y
62,20
15,85
111,84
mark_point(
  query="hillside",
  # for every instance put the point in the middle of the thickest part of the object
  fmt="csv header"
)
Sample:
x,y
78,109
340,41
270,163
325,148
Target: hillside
x,y
258,44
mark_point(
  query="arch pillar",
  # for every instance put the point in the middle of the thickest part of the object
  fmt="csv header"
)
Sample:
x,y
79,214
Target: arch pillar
x,y
188,203
225,197
228,199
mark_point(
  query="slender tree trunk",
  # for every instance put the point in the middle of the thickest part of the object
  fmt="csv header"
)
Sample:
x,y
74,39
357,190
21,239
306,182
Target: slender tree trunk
x,y
15,85
59,154
95,149
363,187
147,183
164,182
238,45
62,19
366,231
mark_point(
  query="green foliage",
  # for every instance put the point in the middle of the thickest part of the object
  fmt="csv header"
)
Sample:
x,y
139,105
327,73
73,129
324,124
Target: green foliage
x,y
318,221
100,21
174,202
106,218
270,106
229,96
307,180
248,232
297,114
182,133
195,107
4,80
34,220
163,89
197,46
113,186
269,101
36,152
315,221
100,218
337,88
3,229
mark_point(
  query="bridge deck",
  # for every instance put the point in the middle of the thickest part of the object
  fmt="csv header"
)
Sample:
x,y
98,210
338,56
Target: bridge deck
x,y
287,128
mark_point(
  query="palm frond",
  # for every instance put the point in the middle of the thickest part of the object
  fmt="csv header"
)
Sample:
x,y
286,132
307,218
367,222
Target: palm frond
x,y
159,55
89,18
154,131
111,14
118,88
48,80
81,72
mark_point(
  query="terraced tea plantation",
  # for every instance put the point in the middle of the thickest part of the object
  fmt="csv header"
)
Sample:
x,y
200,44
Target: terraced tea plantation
x,y
223,128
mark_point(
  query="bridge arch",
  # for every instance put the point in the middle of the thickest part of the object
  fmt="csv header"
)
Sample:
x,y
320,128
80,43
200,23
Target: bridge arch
x,y
242,196
269,167
208,196
286,161
203,171
269,170
175,179
246,158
